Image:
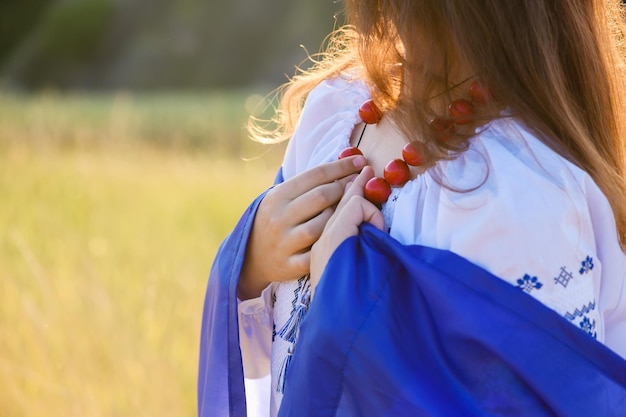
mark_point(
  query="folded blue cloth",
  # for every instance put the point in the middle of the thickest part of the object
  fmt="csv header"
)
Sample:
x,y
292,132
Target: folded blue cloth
x,y
400,330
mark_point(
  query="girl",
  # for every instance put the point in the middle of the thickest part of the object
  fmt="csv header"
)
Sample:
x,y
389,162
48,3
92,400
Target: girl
x,y
478,270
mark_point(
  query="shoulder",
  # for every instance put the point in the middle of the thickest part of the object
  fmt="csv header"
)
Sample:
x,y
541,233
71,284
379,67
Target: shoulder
x,y
538,204
561,229
509,169
328,118
515,207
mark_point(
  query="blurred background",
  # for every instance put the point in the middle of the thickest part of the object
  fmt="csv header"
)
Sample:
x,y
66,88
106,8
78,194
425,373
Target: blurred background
x,y
124,162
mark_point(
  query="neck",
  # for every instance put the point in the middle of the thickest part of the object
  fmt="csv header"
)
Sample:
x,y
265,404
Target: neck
x,y
381,143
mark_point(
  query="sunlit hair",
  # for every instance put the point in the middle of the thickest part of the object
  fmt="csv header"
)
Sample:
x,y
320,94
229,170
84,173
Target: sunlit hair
x,y
556,65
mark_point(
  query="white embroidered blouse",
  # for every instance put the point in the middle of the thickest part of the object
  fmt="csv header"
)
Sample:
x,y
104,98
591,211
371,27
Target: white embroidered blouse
x,y
538,222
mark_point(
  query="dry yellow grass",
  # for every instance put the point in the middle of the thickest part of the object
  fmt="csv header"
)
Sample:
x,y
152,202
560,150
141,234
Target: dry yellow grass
x,y
104,254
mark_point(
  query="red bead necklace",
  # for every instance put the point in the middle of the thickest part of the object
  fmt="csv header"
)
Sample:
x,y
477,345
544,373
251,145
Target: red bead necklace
x,y
397,171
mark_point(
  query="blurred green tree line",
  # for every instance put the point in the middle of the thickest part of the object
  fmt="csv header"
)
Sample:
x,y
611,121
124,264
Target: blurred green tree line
x,y
157,44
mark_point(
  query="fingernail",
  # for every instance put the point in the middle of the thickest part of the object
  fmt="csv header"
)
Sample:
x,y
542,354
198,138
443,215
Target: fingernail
x,y
359,162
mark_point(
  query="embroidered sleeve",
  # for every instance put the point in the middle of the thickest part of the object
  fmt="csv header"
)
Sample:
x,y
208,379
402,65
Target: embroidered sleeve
x,y
255,333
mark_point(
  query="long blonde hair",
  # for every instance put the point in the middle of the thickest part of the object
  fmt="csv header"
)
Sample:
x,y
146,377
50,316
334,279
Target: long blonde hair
x,y
556,64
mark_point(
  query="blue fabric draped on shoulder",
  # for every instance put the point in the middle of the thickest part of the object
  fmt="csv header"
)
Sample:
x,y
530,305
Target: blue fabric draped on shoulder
x,y
220,370
414,331
399,330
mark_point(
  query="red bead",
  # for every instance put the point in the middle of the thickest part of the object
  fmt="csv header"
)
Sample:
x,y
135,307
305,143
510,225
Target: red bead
x,y
377,190
397,172
370,113
461,110
444,128
479,92
413,154
349,151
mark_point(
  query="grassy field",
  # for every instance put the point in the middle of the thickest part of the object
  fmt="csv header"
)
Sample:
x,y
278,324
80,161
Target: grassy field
x,y
112,209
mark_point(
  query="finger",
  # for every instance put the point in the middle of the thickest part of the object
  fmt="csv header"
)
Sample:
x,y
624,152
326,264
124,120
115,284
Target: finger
x,y
306,234
372,214
314,201
322,174
347,220
346,181
356,211
299,264
355,188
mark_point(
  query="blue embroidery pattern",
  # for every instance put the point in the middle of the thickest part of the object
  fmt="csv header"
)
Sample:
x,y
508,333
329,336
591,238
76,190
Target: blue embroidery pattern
x,y
302,281
273,324
586,265
290,330
582,312
280,386
529,283
589,327
564,277
300,303
587,324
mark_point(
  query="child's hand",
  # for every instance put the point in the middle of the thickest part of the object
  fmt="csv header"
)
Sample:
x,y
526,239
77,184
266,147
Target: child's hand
x,y
289,221
352,210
